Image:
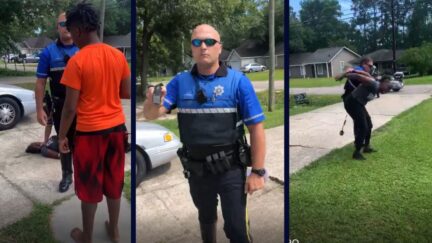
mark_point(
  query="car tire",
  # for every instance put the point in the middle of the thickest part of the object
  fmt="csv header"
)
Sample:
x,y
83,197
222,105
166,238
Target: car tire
x,y
141,167
10,113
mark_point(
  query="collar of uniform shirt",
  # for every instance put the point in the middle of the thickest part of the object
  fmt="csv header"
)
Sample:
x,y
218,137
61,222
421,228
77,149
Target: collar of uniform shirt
x,y
221,72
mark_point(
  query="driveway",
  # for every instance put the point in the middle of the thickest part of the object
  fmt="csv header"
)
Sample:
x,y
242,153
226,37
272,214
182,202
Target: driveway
x,y
25,178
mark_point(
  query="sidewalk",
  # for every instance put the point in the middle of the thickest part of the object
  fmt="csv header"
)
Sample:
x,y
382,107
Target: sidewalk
x,y
165,211
316,133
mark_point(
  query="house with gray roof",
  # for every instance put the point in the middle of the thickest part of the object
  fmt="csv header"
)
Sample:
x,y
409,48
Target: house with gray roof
x,y
33,45
252,52
324,62
383,60
121,42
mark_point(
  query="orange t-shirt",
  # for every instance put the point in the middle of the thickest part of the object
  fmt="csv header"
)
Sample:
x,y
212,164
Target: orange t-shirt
x,y
97,71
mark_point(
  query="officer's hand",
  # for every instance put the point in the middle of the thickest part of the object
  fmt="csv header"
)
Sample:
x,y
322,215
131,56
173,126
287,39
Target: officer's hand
x,y
150,91
254,183
63,145
42,117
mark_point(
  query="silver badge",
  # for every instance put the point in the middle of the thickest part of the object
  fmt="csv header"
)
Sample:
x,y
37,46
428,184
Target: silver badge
x,y
218,90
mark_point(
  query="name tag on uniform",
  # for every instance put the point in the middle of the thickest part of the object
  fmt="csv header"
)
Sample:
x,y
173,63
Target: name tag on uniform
x,y
188,96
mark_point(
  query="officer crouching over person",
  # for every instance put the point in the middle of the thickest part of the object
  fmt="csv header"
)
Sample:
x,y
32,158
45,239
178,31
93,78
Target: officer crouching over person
x,y
213,103
355,104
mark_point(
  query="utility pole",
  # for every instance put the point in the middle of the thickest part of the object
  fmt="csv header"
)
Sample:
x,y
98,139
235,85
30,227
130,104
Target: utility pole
x,y
102,19
271,94
393,34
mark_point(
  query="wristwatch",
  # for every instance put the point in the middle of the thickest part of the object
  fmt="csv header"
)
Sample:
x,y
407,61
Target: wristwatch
x,y
260,172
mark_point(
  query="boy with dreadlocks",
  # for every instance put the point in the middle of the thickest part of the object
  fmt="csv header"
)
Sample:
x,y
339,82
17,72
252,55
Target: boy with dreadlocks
x,y
96,78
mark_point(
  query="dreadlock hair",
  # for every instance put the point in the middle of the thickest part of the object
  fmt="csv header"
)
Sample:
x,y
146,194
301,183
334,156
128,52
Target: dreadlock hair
x,y
84,15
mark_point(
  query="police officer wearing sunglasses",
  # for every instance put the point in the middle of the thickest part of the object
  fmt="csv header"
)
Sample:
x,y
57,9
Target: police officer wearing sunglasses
x,y
214,103
52,62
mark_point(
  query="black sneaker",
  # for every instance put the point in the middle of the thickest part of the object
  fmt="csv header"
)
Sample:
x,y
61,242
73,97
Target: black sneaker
x,y
368,149
358,156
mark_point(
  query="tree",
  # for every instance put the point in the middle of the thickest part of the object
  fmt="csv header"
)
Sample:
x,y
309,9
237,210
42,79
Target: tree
x,y
321,24
296,33
163,24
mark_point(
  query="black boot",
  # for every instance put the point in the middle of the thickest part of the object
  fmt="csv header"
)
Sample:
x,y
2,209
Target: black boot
x,y
66,163
369,149
208,232
358,156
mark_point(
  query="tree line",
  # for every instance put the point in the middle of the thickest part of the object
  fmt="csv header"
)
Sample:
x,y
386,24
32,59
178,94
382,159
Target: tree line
x,y
365,27
31,18
164,29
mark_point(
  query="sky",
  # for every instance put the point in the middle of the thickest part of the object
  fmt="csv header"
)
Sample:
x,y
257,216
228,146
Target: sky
x,y
345,5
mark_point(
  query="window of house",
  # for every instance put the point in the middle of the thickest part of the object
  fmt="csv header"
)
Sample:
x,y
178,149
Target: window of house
x,y
341,66
301,70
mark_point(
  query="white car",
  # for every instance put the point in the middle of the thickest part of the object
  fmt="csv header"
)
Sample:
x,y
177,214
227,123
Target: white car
x,y
15,102
155,146
253,67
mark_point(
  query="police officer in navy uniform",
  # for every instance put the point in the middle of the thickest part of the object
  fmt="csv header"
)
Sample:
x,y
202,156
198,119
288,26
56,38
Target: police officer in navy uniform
x,y
52,62
214,102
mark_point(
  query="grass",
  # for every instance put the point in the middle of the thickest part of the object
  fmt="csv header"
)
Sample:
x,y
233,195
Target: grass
x,y
273,119
34,228
11,73
419,80
316,101
383,199
127,185
30,86
313,82
264,76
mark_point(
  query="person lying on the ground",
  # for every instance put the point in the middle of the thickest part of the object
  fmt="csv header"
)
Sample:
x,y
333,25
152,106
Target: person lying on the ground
x,y
48,149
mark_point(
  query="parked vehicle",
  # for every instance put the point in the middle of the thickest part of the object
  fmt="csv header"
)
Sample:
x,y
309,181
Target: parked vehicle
x,y
397,81
15,102
253,67
155,146
31,58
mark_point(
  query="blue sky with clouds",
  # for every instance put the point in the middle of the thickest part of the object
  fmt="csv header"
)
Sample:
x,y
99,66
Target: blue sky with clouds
x,y
345,5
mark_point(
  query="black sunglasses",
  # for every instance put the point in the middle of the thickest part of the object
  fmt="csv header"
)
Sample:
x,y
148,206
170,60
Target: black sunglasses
x,y
208,42
62,24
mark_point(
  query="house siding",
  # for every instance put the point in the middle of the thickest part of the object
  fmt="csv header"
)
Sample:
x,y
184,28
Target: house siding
x,y
294,72
235,61
344,56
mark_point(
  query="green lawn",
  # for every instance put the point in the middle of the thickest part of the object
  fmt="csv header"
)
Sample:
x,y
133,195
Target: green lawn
x,y
419,80
386,198
10,73
264,76
313,82
33,228
315,102
273,119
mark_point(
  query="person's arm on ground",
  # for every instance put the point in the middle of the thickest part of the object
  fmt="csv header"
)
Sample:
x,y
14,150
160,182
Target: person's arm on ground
x,y
255,182
153,111
39,96
125,88
68,114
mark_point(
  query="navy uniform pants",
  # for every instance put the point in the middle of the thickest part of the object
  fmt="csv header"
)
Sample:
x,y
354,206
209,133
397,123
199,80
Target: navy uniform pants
x,y
362,122
230,188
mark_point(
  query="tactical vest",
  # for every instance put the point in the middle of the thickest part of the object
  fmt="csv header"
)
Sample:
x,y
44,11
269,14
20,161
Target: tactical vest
x,y
215,123
57,65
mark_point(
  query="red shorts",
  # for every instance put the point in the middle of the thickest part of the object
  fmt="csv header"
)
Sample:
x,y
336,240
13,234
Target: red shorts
x,y
98,161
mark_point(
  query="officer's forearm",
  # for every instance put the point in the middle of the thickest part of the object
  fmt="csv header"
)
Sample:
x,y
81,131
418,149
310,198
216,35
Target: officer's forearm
x,y
258,146
39,93
360,77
